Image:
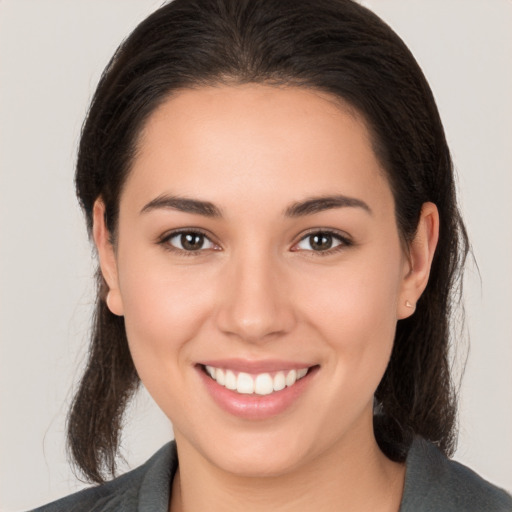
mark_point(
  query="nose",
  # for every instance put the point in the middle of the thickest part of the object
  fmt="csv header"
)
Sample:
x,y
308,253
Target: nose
x,y
255,305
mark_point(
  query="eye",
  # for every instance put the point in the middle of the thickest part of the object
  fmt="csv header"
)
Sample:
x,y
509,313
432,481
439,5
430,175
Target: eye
x,y
322,242
188,241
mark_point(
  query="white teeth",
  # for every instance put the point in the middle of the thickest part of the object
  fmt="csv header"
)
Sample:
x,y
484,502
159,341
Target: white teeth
x,y
301,373
244,384
261,384
291,377
220,377
279,381
264,384
230,380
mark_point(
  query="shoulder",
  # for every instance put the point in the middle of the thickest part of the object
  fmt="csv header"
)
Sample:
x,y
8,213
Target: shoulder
x,y
144,488
434,483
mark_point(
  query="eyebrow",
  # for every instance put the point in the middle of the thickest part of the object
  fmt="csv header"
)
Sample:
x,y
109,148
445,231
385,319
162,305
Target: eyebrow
x,y
297,209
322,203
183,204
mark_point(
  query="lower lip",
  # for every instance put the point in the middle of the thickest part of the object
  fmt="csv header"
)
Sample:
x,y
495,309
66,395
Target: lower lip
x,y
256,407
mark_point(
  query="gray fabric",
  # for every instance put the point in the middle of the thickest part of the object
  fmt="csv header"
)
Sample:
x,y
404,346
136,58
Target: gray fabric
x,y
433,483
145,489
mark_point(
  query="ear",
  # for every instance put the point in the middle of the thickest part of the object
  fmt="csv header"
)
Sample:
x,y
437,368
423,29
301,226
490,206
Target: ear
x,y
421,254
107,257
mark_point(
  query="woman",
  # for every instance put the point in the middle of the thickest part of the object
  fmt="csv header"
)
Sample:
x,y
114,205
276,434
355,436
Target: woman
x,y
271,196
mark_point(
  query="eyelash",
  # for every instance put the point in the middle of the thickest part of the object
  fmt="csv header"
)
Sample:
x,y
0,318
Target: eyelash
x,y
164,241
343,240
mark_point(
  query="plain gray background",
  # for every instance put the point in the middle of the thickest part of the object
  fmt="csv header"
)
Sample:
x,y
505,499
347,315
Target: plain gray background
x,y
51,55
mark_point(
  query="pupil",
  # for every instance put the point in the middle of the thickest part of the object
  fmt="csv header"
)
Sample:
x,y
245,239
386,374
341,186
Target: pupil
x,y
321,242
192,241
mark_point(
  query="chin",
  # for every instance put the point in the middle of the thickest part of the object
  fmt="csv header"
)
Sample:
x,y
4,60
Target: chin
x,y
256,454
259,463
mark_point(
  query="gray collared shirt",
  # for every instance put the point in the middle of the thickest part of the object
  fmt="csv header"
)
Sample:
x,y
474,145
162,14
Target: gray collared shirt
x,y
433,483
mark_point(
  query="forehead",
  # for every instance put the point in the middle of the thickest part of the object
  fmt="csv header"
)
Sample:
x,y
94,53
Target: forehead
x,y
253,139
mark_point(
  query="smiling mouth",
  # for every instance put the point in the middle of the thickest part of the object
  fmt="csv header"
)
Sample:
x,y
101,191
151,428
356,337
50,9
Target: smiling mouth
x,y
256,384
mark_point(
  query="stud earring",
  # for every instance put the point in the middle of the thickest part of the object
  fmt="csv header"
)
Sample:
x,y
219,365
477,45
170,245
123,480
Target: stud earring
x,y
408,304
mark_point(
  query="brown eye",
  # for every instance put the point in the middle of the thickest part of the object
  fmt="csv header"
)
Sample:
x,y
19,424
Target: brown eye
x,y
322,241
190,241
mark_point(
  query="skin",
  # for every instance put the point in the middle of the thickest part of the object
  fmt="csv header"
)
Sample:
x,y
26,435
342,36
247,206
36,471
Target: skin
x,y
259,291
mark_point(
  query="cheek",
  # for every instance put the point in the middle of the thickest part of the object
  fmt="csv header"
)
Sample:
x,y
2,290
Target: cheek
x,y
354,310
359,329
358,298
163,309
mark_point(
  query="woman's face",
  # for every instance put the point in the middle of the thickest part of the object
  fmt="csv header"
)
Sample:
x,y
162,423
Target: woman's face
x,y
257,241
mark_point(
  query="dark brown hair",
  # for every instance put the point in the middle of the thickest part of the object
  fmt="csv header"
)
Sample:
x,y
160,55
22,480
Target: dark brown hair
x,y
336,46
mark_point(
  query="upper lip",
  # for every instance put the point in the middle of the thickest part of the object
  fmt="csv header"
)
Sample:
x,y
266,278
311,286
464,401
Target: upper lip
x,y
249,366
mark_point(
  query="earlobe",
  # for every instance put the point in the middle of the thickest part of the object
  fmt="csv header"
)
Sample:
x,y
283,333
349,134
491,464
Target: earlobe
x,y
107,258
421,254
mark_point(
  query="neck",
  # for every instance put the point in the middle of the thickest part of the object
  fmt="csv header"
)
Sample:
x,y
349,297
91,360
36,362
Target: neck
x,y
354,476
